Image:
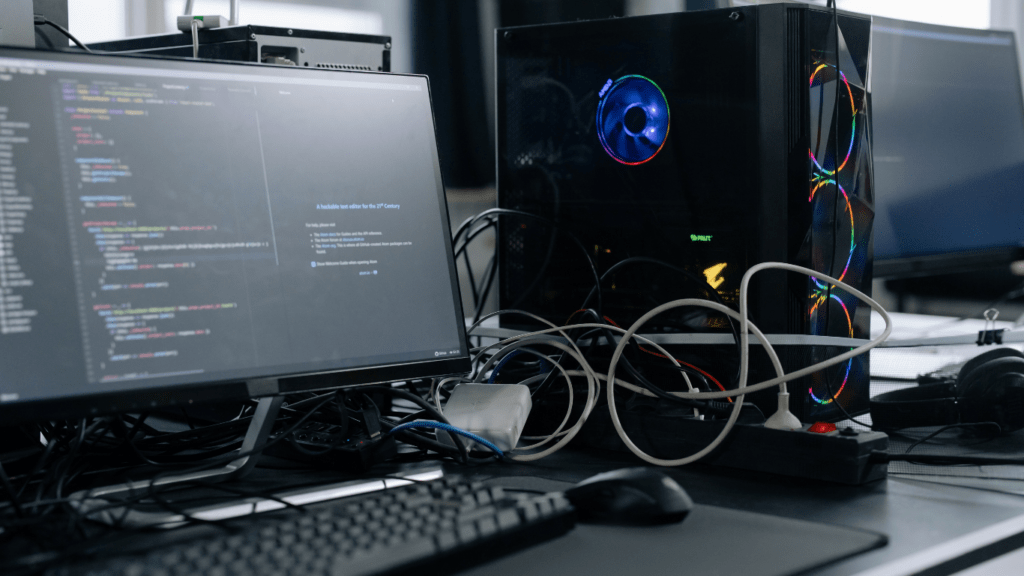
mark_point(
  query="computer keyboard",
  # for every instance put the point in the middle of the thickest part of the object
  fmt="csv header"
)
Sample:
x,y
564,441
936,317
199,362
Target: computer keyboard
x,y
436,526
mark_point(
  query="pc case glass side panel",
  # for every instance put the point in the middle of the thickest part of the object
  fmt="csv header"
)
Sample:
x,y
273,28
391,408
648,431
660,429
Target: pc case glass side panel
x,y
684,205
839,200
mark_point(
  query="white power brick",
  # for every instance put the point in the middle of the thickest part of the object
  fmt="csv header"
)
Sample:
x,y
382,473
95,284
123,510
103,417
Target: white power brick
x,y
495,412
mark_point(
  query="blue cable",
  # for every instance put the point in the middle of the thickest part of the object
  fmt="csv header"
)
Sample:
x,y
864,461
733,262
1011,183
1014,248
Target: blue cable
x,y
501,363
448,428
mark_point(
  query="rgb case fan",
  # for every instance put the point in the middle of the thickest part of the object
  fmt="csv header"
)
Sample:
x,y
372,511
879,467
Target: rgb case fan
x,y
768,159
632,119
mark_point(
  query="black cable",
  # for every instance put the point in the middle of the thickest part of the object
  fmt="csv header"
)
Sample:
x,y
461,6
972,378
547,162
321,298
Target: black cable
x,y
423,442
943,460
39,464
42,20
632,371
411,417
557,229
702,282
463,453
472,280
489,274
66,462
130,443
152,489
9,488
998,428
339,436
259,449
199,435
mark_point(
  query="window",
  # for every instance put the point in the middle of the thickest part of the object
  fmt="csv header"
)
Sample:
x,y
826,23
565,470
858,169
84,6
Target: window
x,y
97,20
284,15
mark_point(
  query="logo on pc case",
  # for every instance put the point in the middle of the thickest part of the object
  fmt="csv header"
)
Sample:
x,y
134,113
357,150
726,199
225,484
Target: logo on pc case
x,y
632,119
713,275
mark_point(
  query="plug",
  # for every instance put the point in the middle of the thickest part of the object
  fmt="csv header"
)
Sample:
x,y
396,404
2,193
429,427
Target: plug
x,y
212,21
783,419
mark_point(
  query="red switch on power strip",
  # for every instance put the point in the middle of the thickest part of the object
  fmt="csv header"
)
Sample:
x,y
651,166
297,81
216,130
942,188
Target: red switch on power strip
x,y
822,427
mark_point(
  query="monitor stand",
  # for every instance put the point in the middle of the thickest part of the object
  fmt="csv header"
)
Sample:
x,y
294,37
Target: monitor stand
x,y
100,504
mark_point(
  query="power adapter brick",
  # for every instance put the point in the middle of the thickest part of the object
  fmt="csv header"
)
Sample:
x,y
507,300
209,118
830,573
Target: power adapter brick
x,y
495,412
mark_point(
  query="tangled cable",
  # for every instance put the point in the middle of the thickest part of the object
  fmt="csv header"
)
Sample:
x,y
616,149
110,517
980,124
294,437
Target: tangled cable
x,y
488,358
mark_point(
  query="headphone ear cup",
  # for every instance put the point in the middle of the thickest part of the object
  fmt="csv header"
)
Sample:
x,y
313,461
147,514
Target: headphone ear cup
x,y
994,391
983,358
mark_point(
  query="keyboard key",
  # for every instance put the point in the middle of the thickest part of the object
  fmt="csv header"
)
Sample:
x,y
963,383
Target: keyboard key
x,y
507,519
467,533
447,539
486,526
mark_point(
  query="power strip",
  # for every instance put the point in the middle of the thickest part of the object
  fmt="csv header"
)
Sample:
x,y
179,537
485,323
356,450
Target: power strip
x,y
844,458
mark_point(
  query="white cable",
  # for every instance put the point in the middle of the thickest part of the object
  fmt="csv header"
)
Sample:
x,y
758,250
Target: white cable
x,y
522,344
810,369
588,407
521,313
703,395
195,37
593,389
435,389
746,327
737,404
748,389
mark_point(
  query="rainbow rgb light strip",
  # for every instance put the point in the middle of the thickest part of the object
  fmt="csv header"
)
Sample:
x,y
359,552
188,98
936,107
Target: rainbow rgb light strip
x,y
853,127
823,177
641,95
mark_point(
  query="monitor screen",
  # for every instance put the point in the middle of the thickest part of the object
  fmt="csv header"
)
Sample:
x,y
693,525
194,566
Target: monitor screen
x,y
174,230
948,138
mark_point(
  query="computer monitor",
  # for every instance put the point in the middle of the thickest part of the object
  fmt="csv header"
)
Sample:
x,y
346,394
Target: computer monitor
x,y
178,231
948,138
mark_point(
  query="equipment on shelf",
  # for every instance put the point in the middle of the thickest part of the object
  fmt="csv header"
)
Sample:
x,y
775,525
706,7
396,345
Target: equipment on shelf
x,y
267,45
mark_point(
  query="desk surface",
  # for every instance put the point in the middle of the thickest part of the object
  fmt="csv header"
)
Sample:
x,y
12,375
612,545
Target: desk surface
x,y
923,518
920,517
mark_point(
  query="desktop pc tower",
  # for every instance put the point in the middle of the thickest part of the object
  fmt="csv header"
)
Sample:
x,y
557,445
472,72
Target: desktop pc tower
x,y
712,141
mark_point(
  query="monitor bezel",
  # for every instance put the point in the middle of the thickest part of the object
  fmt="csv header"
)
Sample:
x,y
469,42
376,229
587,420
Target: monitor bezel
x,y
229,389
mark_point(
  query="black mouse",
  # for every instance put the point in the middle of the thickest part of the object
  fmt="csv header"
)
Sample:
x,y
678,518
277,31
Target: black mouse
x,y
630,496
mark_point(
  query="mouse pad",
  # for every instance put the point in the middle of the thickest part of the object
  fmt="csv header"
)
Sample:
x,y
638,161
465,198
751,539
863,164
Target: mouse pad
x,y
711,540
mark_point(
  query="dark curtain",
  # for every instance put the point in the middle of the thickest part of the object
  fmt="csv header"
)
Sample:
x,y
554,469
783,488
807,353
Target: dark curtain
x,y
446,47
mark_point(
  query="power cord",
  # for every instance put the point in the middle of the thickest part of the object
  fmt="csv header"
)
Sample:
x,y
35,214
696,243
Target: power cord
x,y
41,20
917,443
943,460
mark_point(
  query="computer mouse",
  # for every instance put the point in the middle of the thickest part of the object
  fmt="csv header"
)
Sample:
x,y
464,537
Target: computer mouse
x,y
630,496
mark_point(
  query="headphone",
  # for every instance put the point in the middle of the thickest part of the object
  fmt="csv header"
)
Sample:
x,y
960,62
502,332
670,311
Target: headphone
x,y
989,388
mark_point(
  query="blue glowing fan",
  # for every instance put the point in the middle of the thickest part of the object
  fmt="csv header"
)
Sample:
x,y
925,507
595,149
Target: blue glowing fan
x,y
633,120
